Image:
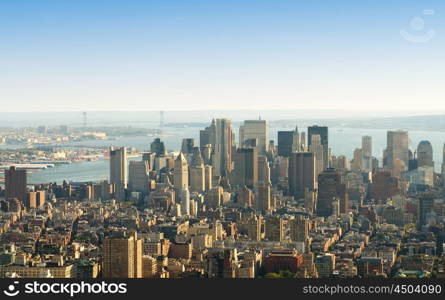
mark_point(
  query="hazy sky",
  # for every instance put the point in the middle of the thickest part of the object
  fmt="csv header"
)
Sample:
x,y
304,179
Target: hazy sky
x,y
228,54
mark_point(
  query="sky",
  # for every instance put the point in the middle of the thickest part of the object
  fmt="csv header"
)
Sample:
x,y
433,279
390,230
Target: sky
x,y
108,55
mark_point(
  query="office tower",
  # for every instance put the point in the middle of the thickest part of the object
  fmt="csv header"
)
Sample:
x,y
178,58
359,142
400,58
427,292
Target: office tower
x,y
263,198
263,170
122,256
296,145
425,154
280,169
285,143
330,188
356,164
288,142
207,154
396,154
204,137
254,228
208,177
317,148
118,171
413,164
15,184
299,229
138,176
181,172
303,144
185,202
274,229
150,158
255,129
367,153
220,135
301,173
187,146
424,207
384,186
197,172
245,170
158,147
322,131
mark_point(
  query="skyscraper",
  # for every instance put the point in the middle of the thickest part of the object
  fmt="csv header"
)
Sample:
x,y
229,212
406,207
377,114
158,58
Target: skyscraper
x,y
367,146
357,160
181,173
288,142
285,142
122,256
367,153
396,158
263,200
301,173
330,188
317,148
303,145
187,146
118,171
425,154
15,184
150,158
255,129
322,131
138,176
220,135
245,170
197,172
158,147
263,169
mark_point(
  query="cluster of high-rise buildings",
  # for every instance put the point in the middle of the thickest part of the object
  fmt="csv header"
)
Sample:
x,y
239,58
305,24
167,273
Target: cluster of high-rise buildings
x,y
235,209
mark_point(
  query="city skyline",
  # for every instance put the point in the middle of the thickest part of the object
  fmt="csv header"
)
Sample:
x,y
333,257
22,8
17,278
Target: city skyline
x,y
205,139
215,208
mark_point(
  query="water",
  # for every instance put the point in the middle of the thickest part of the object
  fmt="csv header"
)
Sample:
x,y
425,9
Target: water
x,y
342,141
